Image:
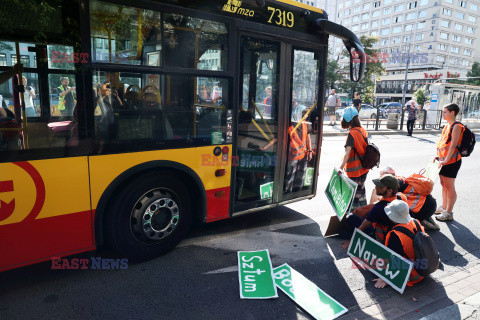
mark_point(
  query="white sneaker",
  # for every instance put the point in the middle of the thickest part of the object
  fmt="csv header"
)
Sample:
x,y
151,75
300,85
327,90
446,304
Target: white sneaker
x,y
439,210
445,216
428,225
437,227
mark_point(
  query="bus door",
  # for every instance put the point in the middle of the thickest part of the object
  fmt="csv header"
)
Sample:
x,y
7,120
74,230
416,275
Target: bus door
x,y
256,158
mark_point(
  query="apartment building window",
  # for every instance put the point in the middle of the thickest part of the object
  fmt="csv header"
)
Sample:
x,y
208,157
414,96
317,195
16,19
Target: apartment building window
x,y
348,4
456,38
460,15
454,49
376,14
441,47
356,10
347,12
396,29
440,59
445,24
3,60
443,35
468,41
340,6
447,12
423,2
387,2
355,28
376,4
470,30
384,42
398,19
419,37
408,27
366,6
410,16
375,24
466,63
412,5
355,19
472,19
458,27
462,4
398,8
346,21
407,38
386,10
365,16
474,7
385,32
395,40
365,25
374,33
422,14
418,48
467,52
340,14
385,22
453,61
357,1
420,25
448,1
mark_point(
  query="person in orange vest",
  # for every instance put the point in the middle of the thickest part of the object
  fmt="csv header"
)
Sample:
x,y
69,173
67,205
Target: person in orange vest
x,y
375,223
450,159
300,152
398,213
355,148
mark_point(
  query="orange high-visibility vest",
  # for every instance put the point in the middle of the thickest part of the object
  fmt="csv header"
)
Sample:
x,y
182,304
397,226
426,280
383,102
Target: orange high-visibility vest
x,y
354,165
443,145
415,200
298,147
407,244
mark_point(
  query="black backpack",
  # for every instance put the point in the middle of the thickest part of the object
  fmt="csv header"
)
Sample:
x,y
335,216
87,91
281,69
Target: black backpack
x,y
371,158
427,258
468,140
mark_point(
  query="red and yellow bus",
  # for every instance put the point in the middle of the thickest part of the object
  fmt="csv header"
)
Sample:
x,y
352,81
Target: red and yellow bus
x,y
136,117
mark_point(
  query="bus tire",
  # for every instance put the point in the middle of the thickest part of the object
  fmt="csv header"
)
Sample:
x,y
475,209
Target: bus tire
x,y
149,216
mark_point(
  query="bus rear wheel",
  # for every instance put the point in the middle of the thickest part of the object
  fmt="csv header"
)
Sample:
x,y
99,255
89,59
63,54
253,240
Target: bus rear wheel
x,y
149,217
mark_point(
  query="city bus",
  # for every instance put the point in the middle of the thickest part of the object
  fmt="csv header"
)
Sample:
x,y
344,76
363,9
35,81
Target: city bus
x,y
131,119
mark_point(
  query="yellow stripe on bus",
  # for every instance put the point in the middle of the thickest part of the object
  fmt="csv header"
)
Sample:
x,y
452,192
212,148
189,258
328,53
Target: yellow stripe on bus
x,y
301,5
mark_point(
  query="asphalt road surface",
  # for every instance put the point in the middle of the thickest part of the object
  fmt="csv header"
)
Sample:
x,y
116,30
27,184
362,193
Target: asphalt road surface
x,y
198,280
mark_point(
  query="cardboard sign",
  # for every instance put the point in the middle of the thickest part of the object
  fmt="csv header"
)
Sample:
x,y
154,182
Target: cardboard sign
x,y
266,190
308,177
340,192
255,275
306,294
382,261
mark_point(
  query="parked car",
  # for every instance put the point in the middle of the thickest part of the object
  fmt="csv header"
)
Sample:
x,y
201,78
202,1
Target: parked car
x,y
366,112
389,107
474,114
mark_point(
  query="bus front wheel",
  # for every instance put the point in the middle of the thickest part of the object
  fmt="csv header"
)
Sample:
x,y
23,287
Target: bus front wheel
x,y
149,216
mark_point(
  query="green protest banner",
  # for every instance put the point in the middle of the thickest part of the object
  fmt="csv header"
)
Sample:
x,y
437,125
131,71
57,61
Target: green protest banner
x,y
308,177
256,161
340,192
255,275
266,190
382,261
217,137
306,294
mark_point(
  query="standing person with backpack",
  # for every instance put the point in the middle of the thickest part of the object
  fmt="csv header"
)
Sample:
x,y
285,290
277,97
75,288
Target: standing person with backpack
x,y
450,159
355,148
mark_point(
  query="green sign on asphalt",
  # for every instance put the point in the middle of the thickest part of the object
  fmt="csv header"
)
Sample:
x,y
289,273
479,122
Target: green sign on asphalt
x,y
340,192
255,275
306,294
308,177
382,261
266,190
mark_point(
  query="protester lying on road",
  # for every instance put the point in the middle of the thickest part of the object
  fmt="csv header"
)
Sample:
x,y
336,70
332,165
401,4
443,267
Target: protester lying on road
x,y
376,223
398,214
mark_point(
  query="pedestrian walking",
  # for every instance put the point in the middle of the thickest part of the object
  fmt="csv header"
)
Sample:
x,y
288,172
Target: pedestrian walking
x,y
411,108
355,148
357,102
450,159
333,101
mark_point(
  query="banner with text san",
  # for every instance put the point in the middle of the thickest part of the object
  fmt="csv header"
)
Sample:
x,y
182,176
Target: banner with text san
x,y
380,260
340,193
306,294
255,274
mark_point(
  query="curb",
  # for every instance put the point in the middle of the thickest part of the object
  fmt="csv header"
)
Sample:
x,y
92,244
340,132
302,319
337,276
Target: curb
x,y
386,133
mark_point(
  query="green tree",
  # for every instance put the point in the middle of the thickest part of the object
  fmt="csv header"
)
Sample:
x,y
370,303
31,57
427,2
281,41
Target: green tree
x,y
373,70
475,72
333,74
420,96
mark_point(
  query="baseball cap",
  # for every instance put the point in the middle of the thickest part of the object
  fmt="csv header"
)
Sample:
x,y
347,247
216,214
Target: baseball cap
x,y
398,211
349,113
388,181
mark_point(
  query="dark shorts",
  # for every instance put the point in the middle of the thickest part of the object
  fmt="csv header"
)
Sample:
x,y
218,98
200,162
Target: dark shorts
x,y
451,170
331,111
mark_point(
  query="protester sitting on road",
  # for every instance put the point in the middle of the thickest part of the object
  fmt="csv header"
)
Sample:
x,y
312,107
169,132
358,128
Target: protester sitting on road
x,y
422,207
450,159
355,148
376,223
398,214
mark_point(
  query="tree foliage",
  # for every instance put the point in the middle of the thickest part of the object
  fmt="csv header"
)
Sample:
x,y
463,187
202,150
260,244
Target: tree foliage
x,y
475,72
373,70
333,74
420,96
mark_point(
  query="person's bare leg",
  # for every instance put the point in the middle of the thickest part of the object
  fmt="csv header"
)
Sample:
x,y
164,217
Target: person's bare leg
x,y
451,193
444,192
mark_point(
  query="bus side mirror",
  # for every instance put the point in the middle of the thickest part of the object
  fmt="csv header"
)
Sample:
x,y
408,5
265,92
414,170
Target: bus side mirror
x,y
357,64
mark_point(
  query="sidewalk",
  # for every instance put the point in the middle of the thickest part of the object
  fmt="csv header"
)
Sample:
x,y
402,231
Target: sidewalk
x,y
338,131
453,297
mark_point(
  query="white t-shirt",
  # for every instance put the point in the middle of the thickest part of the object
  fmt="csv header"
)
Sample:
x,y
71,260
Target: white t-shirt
x,y
29,98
